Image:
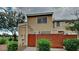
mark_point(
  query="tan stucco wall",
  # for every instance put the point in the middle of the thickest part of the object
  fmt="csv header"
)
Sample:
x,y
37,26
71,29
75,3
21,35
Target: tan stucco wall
x,y
32,27
22,37
36,28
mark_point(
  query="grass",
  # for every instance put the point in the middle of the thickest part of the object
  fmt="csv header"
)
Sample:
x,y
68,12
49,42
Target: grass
x,y
7,40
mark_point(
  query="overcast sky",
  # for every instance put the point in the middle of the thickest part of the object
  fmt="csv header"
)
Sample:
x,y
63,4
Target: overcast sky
x,y
59,12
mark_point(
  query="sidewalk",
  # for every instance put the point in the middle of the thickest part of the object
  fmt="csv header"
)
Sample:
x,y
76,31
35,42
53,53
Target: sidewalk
x,y
34,49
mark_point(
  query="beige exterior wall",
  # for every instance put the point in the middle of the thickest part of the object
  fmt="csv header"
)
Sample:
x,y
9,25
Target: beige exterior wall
x,y
22,37
62,27
34,27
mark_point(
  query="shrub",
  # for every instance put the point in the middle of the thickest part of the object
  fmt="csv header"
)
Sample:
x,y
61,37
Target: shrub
x,y
15,40
43,45
13,46
10,39
77,41
71,44
2,41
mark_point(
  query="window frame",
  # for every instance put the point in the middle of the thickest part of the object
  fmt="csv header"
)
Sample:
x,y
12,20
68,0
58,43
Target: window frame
x,y
42,20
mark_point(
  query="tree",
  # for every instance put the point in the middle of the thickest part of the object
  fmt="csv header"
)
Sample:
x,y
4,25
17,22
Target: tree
x,y
10,20
74,26
13,19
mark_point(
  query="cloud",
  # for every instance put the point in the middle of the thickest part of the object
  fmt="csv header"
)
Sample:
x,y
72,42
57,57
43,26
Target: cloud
x,y
59,12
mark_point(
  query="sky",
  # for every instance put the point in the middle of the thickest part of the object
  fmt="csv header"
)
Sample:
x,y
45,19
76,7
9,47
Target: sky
x,y
59,12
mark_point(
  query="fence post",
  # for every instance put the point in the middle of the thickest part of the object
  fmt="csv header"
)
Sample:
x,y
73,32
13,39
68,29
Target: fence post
x,y
36,41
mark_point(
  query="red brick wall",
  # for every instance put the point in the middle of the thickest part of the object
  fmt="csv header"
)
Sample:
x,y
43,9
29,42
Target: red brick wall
x,y
55,39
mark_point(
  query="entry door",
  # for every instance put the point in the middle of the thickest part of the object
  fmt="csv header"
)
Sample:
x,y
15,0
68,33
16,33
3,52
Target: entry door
x,y
31,40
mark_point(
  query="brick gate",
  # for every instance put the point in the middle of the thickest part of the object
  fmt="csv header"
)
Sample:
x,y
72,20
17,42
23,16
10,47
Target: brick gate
x,y
55,39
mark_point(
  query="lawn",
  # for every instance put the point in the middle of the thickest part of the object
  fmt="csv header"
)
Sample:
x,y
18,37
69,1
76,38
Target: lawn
x,y
7,40
10,43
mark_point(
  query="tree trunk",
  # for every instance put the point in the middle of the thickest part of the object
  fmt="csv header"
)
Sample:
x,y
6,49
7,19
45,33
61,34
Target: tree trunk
x,y
13,35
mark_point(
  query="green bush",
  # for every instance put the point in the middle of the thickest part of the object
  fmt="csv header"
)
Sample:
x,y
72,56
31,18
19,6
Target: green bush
x,y
43,45
77,41
71,44
13,46
15,40
2,41
10,39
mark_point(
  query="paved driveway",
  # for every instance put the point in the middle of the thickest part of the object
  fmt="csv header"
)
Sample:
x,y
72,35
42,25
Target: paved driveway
x,y
34,49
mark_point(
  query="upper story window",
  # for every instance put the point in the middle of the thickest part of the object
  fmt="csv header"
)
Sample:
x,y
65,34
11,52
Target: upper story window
x,y
41,19
58,23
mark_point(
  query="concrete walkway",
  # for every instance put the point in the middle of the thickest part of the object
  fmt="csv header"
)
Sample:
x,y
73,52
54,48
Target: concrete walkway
x,y
34,49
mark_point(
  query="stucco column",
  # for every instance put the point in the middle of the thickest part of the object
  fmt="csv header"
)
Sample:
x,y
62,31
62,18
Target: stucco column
x,y
19,39
26,35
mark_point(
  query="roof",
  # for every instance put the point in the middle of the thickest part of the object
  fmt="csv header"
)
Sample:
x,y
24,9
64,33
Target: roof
x,y
65,20
40,14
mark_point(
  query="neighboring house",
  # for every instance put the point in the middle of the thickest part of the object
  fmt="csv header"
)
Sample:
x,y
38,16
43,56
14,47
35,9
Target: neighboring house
x,y
59,26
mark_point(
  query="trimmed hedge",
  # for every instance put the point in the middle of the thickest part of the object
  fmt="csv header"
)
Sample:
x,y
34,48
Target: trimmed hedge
x,y
71,44
43,45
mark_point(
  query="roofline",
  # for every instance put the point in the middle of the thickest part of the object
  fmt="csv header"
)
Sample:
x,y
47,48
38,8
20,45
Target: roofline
x,y
64,20
40,14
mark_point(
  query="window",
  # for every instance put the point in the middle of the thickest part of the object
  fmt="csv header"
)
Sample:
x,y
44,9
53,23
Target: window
x,y
42,20
58,23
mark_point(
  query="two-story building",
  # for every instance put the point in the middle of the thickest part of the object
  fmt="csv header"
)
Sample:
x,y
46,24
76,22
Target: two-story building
x,y
41,23
38,23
